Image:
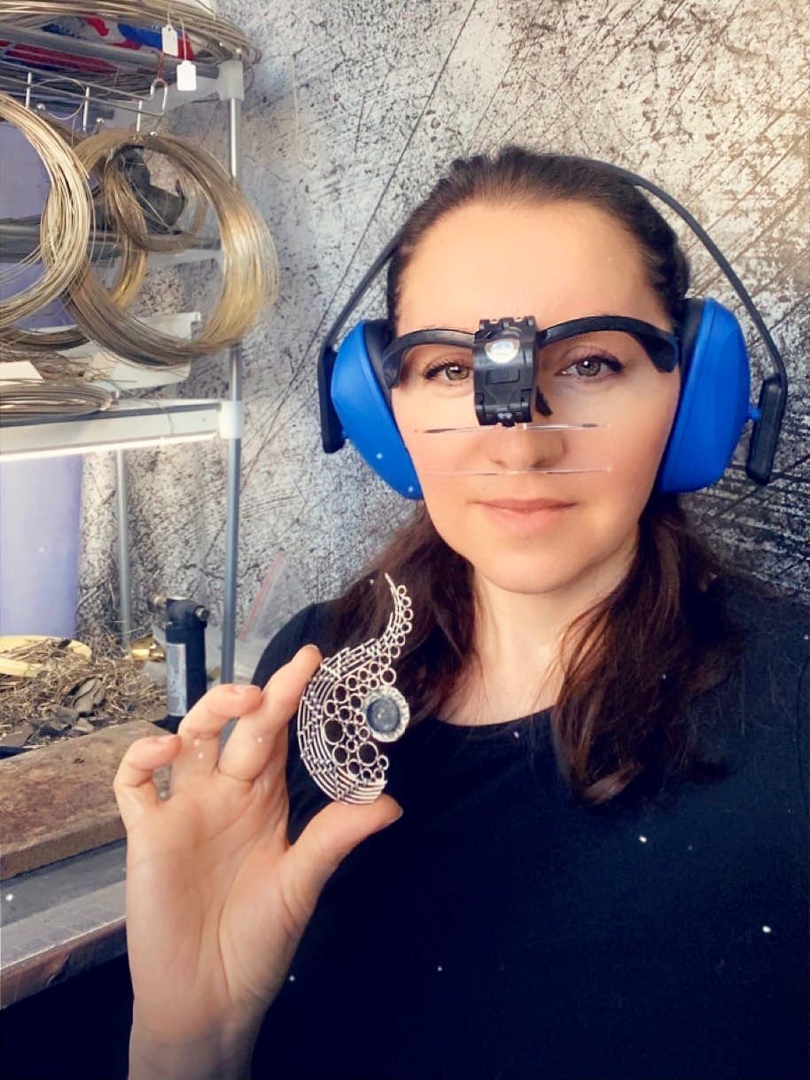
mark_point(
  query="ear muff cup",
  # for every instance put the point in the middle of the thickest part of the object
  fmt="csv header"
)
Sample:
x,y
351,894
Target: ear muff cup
x,y
714,402
364,411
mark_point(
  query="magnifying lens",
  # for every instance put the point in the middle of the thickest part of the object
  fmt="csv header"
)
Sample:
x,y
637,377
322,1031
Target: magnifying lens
x,y
513,398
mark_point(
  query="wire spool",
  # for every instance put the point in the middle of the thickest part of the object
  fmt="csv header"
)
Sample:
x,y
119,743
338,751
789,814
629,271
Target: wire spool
x,y
131,272
249,264
58,386
66,226
65,221
129,209
30,399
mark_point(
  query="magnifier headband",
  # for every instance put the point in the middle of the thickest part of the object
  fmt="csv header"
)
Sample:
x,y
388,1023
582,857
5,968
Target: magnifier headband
x,y
662,348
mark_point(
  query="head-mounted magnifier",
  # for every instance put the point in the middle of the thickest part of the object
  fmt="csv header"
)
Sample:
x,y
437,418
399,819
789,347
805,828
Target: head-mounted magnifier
x,y
511,389
505,355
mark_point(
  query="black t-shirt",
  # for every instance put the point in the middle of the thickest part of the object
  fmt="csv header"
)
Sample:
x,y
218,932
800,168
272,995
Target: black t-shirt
x,y
501,931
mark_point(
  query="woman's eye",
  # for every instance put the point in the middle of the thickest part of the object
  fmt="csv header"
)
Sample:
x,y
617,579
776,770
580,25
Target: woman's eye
x,y
592,367
448,371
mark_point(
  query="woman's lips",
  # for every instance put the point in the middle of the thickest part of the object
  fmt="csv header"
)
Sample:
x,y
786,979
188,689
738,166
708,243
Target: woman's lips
x,y
525,506
524,516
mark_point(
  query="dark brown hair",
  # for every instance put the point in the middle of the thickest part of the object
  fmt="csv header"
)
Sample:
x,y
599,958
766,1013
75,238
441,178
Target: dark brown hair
x,y
517,177
660,638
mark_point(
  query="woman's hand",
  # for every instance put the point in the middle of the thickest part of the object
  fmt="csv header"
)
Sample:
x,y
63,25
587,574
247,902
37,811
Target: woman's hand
x,y
217,898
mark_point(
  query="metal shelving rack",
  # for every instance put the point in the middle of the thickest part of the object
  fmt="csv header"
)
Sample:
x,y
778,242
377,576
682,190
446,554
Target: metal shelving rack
x,y
127,424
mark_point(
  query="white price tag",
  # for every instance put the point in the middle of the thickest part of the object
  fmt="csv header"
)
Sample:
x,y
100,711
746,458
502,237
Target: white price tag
x,y
186,75
168,40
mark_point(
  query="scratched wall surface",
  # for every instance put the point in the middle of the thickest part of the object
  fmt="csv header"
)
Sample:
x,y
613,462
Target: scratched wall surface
x,y
354,111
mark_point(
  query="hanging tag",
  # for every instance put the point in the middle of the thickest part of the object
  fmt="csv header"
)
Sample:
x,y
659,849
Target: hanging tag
x,y
186,75
168,40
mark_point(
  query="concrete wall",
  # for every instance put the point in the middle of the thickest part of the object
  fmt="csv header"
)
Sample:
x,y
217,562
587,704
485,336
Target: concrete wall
x,y
355,109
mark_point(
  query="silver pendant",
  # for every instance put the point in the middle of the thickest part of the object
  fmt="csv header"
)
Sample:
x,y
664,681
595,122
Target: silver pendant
x,y
350,705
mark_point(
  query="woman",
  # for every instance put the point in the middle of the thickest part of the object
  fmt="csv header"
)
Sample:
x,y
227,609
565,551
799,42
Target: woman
x,y
601,867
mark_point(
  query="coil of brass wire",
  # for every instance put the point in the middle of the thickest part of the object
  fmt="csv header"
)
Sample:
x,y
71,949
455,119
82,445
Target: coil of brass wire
x,y
66,238
249,264
65,221
128,205
27,400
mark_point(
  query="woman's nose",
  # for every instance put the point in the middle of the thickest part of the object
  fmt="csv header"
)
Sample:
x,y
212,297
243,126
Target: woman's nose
x,y
526,448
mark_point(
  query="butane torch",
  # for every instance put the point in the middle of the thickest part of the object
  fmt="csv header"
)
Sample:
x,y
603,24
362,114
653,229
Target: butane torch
x,y
182,624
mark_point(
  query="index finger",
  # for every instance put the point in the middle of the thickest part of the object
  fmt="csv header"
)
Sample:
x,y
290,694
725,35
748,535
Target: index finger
x,y
213,711
262,733
201,728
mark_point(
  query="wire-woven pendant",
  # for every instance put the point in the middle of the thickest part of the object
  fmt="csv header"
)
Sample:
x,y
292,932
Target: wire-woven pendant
x,y
350,705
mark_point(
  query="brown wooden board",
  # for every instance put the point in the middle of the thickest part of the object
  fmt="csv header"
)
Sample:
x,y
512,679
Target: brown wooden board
x,y
58,801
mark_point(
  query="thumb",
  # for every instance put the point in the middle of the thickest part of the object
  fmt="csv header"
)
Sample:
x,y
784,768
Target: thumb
x,y
325,842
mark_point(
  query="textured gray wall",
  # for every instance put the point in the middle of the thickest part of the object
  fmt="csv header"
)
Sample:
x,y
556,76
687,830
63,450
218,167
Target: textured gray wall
x,y
355,109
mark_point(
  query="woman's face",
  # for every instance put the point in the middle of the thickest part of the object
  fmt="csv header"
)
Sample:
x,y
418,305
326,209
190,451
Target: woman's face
x,y
501,496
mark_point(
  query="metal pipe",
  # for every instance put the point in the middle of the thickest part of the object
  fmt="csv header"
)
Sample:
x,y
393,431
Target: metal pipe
x,y
124,587
235,138
234,445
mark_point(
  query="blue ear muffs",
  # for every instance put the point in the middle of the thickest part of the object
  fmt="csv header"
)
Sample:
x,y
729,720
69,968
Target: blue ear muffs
x,y
364,410
712,412
714,403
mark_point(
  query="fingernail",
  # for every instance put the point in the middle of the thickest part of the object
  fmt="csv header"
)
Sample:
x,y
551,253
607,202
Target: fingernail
x,y
240,689
164,738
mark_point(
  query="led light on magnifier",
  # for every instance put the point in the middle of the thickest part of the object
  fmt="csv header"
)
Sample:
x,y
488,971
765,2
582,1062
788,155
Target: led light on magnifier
x,y
502,350
504,355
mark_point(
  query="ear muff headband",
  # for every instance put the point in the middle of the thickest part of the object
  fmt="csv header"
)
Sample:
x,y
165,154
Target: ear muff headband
x,y
769,412
333,436
712,411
